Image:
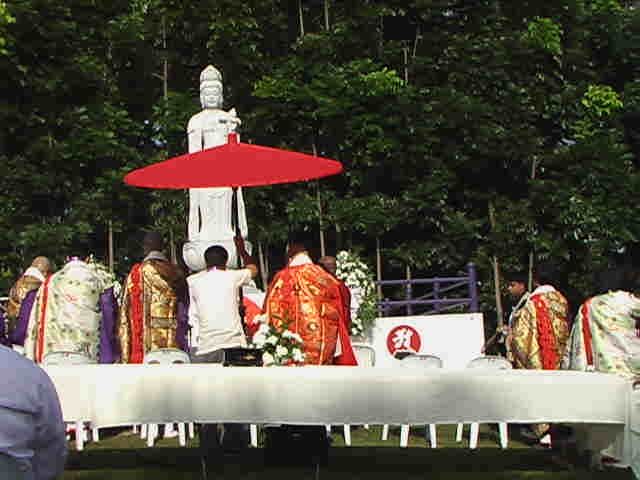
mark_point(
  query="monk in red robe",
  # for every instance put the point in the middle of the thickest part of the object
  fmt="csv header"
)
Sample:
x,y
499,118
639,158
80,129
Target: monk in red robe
x,y
309,301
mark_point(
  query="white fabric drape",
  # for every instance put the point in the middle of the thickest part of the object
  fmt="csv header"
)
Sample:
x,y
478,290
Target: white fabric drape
x,y
124,394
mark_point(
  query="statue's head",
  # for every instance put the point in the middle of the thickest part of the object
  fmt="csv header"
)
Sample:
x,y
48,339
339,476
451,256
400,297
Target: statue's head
x,y
211,88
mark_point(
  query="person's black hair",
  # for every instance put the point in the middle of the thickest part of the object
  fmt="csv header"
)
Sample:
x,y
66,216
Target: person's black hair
x,y
622,277
153,241
296,242
545,274
216,256
517,276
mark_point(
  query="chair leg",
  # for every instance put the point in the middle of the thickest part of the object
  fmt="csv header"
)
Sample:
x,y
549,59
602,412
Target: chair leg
x,y
169,431
192,430
135,428
182,434
328,427
404,436
347,435
151,434
459,431
95,434
79,436
473,436
144,430
433,436
253,431
504,435
385,432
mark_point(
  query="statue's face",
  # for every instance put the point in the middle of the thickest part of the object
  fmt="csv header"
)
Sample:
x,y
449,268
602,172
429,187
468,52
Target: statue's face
x,y
211,95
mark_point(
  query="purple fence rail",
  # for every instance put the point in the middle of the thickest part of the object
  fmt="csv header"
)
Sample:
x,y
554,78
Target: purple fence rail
x,y
446,293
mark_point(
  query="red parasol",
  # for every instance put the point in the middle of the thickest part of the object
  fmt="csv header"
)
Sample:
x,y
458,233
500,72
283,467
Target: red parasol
x,y
233,164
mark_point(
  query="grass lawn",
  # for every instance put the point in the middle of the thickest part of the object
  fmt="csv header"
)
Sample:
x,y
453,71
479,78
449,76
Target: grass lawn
x,y
124,456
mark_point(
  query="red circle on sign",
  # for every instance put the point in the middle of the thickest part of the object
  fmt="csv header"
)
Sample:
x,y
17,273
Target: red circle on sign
x,y
403,338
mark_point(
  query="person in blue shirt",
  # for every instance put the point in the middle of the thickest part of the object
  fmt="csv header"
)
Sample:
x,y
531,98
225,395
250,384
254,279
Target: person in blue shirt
x,y
32,432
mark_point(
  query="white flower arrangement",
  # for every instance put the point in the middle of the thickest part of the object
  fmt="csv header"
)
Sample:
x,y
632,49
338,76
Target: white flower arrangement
x,y
357,276
279,346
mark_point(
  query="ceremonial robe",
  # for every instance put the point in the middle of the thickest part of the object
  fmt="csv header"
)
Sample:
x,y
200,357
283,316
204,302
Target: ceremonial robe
x,y
540,331
21,299
308,300
74,311
153,313
604,336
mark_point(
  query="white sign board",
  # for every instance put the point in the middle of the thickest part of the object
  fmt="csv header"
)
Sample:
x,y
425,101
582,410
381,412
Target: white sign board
x,y
455,338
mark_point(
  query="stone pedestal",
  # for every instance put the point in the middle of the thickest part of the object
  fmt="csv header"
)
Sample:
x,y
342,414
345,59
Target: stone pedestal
x,y
193,252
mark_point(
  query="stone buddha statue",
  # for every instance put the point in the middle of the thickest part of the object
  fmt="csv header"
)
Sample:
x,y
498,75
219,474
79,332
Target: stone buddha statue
x,y
210,221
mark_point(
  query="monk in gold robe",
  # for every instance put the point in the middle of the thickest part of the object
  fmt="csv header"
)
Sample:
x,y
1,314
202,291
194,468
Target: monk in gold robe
x,y
308,300
21,299
153,314
539,332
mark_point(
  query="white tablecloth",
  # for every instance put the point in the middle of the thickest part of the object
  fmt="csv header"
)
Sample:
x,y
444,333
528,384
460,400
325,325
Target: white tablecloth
x,y
111,395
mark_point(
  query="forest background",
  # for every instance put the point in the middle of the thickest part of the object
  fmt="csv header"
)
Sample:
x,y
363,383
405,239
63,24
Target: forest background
x,y
495,132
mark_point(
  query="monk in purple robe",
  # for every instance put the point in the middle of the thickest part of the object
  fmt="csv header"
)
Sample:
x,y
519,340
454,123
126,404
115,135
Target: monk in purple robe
x,y
21,299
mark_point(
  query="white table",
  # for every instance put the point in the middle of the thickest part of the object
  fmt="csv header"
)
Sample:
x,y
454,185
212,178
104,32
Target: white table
x,y
110,395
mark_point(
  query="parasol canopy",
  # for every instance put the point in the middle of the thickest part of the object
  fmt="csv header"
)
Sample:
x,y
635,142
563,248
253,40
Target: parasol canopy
x,y
234,164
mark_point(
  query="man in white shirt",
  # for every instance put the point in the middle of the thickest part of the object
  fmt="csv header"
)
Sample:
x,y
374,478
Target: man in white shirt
x,y
215,322
32,433
214,315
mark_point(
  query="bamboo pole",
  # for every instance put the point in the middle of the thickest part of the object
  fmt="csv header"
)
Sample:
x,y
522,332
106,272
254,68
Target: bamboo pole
x,y
323,251
379,268
172,247
405,51
264,267
301,18
496,271
165,61
326,15
320,212
409,290
534,165
110,246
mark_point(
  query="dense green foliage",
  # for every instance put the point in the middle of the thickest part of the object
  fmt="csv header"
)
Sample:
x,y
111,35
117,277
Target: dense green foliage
x,y
529,108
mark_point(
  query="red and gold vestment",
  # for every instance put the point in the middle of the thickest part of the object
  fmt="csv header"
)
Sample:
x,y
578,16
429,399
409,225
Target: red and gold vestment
x,y
308,300
149,317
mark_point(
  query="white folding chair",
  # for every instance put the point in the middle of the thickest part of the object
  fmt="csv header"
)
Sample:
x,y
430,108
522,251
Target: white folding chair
x,y
165,356
366,357
425,362
491,362
73,358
